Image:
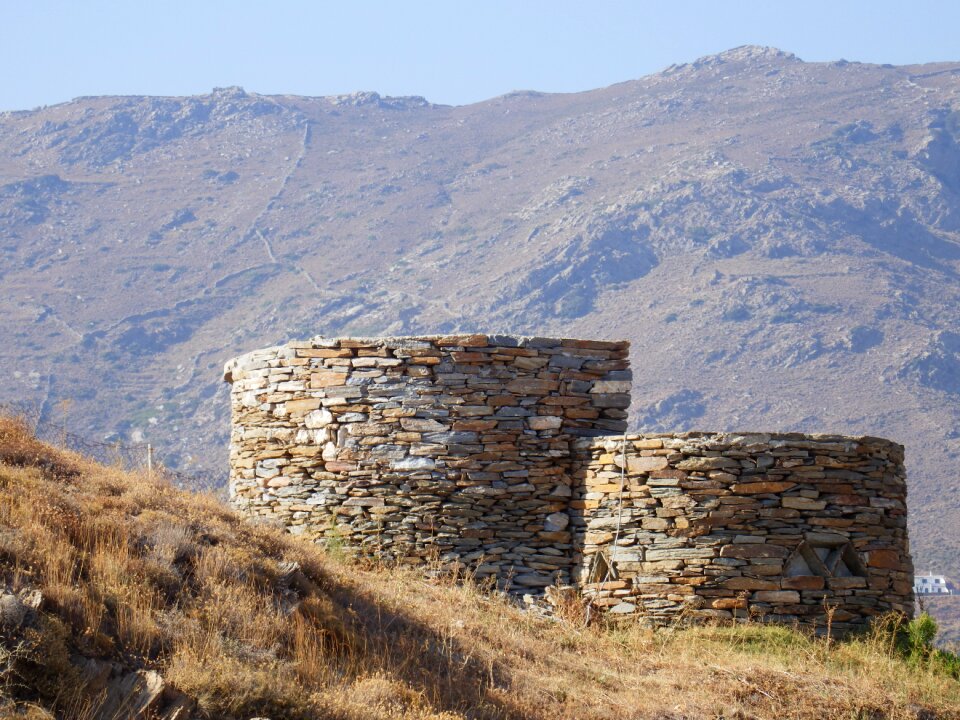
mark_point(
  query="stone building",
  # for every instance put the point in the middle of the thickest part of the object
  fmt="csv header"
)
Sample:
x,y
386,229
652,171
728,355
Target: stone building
x,y
506,457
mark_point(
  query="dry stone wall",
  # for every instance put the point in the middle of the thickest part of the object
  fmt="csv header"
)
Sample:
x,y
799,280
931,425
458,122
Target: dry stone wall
x,y
784,526
450,449
505,456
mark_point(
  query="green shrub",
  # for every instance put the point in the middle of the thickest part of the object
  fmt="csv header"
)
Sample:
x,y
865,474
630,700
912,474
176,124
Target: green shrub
x,y
918,637
916,644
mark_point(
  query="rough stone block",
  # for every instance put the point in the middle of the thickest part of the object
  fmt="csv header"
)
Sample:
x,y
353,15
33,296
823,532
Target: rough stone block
x,y
776,596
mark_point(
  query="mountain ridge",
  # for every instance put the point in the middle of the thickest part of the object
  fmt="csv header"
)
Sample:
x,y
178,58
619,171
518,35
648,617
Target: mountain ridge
x,y
741,53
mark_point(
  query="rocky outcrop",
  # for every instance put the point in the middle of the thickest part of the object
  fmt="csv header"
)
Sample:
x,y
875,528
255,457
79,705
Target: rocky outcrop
x,y
114,689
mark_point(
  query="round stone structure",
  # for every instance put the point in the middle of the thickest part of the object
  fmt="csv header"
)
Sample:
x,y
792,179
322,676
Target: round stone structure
x,y
505,456
450,448
780,526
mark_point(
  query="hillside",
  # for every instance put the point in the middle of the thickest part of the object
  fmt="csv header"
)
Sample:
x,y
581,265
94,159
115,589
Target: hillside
x,y
122,596
780,241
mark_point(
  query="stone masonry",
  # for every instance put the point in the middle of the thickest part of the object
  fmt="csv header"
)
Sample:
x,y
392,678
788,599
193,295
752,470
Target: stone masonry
x,y
779,525
504,456
448,449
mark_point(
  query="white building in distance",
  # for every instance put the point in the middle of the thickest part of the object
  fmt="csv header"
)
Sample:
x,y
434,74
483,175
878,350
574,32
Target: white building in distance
x,y
932,585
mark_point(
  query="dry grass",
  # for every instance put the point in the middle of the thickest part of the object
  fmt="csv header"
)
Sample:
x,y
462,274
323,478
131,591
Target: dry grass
x,y
140,573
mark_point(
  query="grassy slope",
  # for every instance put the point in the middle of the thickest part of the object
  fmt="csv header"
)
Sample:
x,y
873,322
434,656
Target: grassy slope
x,y
150,577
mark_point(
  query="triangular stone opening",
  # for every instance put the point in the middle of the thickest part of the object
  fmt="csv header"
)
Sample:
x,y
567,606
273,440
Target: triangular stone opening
x,y
601,569
852,561
797,567
824,560
806,561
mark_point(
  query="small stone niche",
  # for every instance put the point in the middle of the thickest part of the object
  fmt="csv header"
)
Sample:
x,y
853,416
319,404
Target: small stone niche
x,y
835,558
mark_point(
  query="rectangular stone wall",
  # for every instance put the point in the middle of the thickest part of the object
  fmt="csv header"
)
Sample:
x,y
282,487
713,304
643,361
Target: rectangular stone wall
x,y
780,526
455,448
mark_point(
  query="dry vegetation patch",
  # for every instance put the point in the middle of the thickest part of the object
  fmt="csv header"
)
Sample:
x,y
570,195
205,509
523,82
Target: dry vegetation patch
x,y
245,621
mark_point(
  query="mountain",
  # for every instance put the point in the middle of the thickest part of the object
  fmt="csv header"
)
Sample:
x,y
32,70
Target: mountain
x,y
780,241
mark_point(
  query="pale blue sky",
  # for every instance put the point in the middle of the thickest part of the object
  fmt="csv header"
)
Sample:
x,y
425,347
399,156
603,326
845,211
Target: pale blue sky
x,y
450,52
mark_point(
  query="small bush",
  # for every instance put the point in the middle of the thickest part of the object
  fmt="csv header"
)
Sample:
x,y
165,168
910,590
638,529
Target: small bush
x,y
918,637
921,635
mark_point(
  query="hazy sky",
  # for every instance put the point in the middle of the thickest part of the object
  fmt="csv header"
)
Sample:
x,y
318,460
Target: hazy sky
x,y
449,51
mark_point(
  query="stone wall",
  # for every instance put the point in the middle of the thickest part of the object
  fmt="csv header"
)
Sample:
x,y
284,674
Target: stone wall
x,y
504,456
717,525
449,449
